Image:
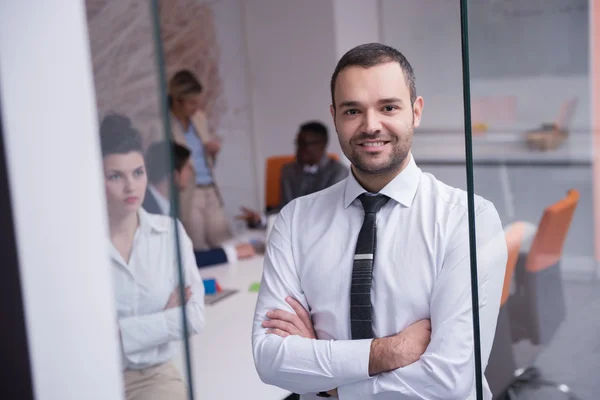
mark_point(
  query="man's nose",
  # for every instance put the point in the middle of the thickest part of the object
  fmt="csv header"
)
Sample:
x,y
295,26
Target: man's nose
x,y
371,122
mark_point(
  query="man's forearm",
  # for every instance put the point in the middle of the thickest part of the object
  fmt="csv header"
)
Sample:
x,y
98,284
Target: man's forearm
x,y
385,356
324,365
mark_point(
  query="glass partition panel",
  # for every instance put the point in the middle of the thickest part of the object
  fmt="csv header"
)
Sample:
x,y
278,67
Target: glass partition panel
x,y
159,295
533,157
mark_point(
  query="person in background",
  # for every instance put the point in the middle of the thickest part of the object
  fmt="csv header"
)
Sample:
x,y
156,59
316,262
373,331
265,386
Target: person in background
x,y
201,206
145,273
312,171
366,287
157,199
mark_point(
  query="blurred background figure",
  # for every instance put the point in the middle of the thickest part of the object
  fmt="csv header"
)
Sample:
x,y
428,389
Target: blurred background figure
x,y
146,280
157,199
313,170
201,208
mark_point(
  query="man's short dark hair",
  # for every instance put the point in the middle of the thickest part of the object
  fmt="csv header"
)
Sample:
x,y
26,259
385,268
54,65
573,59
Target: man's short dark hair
x,y
317,128
372,54
158,166
118,136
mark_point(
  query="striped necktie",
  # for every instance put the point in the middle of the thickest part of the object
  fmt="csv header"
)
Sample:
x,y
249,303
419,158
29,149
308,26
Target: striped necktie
x,y
362,272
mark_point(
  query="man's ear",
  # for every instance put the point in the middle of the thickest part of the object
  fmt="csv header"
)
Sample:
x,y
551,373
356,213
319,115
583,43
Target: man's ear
x,y
418,111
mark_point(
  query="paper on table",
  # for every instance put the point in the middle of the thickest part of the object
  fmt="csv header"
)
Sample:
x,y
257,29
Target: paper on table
x,y
255,287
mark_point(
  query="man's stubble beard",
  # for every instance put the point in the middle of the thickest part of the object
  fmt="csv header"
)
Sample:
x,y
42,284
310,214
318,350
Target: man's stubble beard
x,y
400,152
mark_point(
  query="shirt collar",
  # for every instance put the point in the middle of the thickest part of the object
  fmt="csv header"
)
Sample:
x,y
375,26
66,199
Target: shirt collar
x,y
147,226
402,188
163,203
150,225
313,169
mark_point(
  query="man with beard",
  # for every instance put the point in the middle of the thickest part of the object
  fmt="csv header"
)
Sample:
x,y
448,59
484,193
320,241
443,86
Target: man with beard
x,y
366,289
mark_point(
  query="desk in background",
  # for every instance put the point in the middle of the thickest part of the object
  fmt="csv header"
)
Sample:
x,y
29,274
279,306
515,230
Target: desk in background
x,y
222,362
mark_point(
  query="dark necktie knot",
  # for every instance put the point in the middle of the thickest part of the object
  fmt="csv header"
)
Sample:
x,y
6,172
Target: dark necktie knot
x,y
372,203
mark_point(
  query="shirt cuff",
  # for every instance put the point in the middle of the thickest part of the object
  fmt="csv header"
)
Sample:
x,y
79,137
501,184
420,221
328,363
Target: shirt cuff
x,y
230,253
351,358
357,390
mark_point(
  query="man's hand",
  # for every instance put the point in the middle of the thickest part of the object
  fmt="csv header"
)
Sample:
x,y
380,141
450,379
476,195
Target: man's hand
x,y
283,323
244,250
400,350
251,217
175,299
213,147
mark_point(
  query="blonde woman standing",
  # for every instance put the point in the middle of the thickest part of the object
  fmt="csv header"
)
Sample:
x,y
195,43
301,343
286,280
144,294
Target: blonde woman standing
x,y
201,206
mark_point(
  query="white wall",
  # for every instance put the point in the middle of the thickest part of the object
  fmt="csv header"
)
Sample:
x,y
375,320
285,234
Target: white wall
x,y
291,55
355,22
236,167
49,112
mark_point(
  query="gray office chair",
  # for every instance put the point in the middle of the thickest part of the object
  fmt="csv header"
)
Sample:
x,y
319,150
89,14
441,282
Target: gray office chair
x,y
537,307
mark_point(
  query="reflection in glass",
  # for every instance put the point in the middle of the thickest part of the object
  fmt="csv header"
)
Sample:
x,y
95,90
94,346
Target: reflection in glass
x,y
202,210
154,267
149,295
533,156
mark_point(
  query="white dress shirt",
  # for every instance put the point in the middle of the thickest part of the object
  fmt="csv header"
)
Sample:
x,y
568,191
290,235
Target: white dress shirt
x,y
143,287
422,270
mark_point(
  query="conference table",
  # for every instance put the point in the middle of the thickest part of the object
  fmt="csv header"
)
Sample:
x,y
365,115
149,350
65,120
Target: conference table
x,y
221,357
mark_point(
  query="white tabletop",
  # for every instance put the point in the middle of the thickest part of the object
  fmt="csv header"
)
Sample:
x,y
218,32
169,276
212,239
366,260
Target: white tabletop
x,y
222,362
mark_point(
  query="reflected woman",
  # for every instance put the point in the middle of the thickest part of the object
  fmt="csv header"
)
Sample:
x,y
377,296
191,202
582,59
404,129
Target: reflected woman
x,y
201,205
145,272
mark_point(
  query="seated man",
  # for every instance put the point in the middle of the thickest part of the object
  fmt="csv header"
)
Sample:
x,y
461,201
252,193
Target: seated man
x,y
156,200
312,171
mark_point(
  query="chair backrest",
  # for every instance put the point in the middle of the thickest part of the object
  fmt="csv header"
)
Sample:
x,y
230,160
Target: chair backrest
x,y
549,240
273,178
539,307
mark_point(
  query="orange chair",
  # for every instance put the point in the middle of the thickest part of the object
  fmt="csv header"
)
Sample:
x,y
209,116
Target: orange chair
x,y
274,166
537,308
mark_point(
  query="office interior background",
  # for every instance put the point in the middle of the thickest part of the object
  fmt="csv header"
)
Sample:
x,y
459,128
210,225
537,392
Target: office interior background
x,y
265,66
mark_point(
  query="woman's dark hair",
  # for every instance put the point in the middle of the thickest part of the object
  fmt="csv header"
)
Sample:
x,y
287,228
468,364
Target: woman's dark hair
x,y
118,136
